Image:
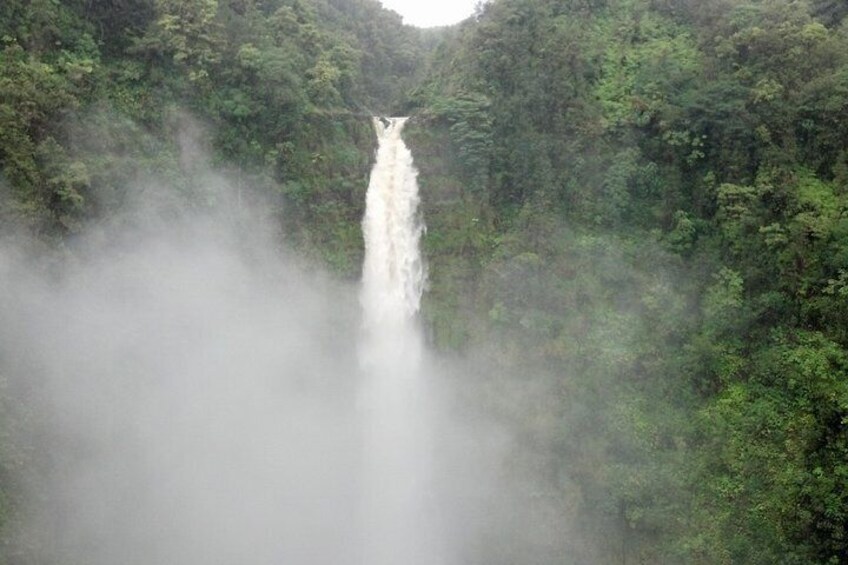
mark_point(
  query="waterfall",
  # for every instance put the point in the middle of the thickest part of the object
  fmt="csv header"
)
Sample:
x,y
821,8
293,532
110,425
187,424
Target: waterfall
x,y
397,515
393,273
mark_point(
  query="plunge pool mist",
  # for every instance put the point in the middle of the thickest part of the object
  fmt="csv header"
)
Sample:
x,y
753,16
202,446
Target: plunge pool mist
x,y
196,395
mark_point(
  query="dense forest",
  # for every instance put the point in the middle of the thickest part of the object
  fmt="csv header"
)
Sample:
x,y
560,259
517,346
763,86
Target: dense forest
x,y
96,94
647,218
637,219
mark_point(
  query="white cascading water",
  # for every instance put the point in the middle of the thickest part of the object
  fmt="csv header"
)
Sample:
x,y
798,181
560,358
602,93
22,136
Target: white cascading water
x,y
393,273
397,515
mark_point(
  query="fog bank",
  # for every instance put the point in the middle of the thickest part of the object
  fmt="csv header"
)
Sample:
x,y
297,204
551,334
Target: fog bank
x,y
196,397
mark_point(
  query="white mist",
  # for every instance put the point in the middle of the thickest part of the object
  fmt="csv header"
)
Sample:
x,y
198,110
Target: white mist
x,y
397,519
200,397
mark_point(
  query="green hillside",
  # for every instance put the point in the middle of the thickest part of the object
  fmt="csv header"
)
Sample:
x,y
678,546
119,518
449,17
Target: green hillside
x,y
641,209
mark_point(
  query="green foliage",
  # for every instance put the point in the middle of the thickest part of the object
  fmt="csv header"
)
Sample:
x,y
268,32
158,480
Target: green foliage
x,y
187,33
282,84
781,455
470,134
641,79
663,251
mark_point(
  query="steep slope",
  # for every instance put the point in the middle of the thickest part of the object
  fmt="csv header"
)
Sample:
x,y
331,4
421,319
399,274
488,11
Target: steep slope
x,y
96,94
637,210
